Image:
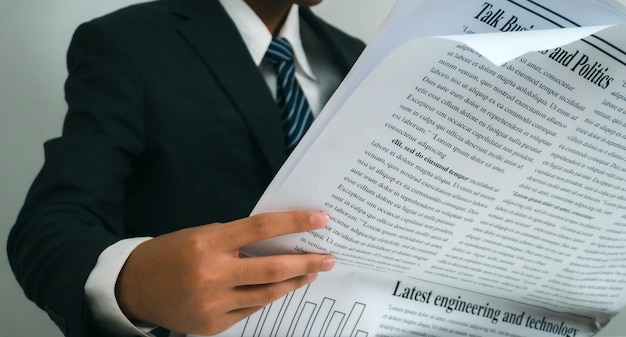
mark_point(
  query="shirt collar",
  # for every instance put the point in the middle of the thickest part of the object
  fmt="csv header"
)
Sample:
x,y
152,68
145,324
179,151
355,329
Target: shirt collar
x,y
258,38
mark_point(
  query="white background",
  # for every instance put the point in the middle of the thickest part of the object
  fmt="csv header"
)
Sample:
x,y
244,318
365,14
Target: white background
x,y
34,35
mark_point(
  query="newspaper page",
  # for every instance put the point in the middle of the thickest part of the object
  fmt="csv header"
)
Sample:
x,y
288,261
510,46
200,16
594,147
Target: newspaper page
x,y
466,197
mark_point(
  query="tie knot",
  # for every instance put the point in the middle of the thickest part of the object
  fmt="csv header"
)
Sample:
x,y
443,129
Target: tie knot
x,y
280,51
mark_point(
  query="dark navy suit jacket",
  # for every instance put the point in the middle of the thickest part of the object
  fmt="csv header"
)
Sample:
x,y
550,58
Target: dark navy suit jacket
x,y
170,124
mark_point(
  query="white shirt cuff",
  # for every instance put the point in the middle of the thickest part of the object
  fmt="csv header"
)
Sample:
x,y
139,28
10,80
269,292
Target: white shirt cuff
x,y
100,290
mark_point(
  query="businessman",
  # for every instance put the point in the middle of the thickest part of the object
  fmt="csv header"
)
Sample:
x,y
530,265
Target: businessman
x,y
175,126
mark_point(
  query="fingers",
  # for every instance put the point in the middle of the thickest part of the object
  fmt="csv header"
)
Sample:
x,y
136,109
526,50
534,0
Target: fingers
x,y
264,226
266,279
272,269
262,295
244,299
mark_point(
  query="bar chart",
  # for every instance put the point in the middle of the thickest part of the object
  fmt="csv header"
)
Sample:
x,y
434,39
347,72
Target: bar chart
x,y
297,315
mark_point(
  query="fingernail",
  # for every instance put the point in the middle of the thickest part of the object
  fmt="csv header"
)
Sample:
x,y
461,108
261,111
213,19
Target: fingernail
x,y
328,263
319,219
312,277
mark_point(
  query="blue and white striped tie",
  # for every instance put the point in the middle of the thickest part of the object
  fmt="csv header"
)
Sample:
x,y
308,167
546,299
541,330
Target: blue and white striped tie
x,y
296,113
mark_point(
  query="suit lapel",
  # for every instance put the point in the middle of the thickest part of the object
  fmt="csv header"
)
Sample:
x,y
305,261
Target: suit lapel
x,y
214,36
343,55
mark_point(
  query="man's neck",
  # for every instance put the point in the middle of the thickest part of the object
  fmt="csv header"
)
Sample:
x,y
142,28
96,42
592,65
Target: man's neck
x,y
271,12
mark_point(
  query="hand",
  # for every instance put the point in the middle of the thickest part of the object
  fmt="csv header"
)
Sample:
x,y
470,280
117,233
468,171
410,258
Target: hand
x,y
193,280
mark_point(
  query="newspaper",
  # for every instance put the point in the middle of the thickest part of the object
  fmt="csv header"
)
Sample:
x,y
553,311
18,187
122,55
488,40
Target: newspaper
x,y
475,182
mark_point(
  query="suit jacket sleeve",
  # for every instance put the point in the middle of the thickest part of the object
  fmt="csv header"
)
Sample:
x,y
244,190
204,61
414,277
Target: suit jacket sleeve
x,y
73,210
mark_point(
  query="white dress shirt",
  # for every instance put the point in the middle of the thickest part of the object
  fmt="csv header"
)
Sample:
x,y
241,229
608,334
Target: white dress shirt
x,y
258,38
100,286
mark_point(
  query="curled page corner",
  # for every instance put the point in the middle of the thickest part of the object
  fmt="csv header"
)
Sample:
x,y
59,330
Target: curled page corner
x,y
500,48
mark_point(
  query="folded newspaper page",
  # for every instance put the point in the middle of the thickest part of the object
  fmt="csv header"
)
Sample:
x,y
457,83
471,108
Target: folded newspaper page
x,y
475,178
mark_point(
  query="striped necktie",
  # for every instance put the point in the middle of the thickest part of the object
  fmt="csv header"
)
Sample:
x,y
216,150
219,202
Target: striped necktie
x,y
296,113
